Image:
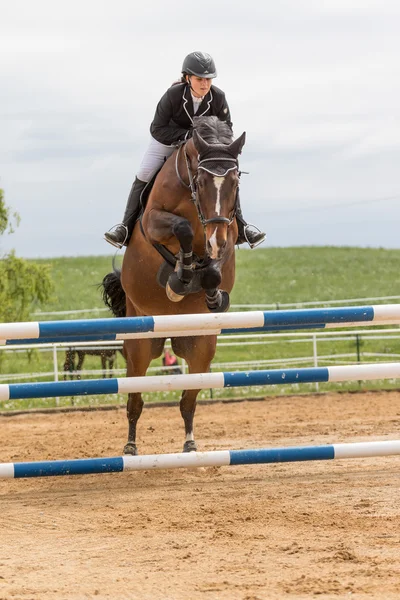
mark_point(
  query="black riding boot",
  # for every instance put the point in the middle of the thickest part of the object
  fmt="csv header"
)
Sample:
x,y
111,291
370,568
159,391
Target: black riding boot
x,y
121,234
247,233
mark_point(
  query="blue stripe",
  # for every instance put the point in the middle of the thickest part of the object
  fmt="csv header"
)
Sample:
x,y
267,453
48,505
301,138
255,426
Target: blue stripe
x,y
63,388
96,326
274,328
319,315
276,376
83,466
56,340
278,455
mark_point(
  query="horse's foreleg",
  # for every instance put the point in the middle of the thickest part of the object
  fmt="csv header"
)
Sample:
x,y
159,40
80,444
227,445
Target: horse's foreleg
x,y
217,300
161,228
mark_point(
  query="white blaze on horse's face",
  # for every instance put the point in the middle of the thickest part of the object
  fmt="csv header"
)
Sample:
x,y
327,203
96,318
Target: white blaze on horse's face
x,y
215,239
214,253
218,182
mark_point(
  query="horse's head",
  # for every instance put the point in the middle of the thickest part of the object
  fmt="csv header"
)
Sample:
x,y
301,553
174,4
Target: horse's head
x,y
217,183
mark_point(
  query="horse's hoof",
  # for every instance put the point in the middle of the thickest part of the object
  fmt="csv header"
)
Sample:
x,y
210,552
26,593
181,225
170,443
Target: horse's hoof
x,y
131,449
171,295
222,304
176,288
190,446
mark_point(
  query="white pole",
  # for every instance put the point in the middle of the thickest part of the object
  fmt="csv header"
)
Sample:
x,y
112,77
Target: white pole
x,y
55,364
315,355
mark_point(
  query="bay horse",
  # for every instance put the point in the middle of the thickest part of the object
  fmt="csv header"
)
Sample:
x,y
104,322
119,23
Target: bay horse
x,y
181,257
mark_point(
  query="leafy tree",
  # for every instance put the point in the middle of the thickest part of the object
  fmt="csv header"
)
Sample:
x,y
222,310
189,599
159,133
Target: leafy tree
x,y
24,285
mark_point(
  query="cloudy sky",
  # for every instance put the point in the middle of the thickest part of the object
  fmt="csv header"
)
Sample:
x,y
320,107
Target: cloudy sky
x,y
314,83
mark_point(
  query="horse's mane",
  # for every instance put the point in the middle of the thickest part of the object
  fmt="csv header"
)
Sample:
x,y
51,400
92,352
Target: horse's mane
x,y
212,130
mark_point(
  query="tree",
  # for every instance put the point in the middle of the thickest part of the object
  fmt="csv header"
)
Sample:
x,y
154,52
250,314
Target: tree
x,y
24,285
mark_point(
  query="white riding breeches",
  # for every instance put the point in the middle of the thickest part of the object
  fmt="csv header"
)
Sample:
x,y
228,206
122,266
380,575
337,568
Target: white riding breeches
x,y
153,159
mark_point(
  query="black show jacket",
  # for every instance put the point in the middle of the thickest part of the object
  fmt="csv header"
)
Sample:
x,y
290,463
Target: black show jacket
x,y
174,114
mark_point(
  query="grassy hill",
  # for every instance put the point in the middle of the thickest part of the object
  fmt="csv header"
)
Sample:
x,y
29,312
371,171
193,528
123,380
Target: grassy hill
x,y
271,275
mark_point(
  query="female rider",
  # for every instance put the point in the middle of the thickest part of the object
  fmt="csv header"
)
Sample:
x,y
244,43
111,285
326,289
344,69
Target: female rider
x,y
192,96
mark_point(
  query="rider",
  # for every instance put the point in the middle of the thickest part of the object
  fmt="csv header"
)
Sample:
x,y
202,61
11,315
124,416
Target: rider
x,y
192,96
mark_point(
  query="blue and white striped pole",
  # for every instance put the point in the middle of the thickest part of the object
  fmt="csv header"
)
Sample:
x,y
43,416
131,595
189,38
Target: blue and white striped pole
x,y
200,381
196,324
217,458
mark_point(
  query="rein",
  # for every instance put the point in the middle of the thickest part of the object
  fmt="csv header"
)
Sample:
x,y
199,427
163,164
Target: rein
x,y
193,188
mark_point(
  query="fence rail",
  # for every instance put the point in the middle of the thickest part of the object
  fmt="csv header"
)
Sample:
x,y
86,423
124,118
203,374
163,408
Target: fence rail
x,y
233,340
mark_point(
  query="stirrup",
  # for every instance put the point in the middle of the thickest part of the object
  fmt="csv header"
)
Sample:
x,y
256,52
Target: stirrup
x,y
254,244
115,243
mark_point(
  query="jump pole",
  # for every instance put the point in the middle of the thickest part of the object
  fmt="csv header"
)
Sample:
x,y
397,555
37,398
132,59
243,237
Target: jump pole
x,y
199,381
192,460
196,324
115,337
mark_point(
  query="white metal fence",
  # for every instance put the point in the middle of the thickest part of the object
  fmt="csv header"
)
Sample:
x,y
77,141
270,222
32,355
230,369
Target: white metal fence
x,y
311,341
311,355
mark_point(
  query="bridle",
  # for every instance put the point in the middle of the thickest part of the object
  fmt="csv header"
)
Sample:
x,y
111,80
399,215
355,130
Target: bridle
x,y
192,185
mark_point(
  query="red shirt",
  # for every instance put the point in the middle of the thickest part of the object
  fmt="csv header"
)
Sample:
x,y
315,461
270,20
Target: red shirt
x,y
169,359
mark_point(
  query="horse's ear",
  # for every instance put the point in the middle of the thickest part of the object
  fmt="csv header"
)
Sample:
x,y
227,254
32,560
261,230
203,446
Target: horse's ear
x,y
236,147
200,144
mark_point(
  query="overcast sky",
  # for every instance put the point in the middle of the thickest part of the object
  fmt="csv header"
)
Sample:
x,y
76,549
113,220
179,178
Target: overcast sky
x,y
314,83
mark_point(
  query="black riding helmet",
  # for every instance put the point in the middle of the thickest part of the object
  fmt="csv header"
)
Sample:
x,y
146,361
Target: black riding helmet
x,y
200,64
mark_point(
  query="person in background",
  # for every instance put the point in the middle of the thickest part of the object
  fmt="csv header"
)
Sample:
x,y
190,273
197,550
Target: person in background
x,y
169,360
193,95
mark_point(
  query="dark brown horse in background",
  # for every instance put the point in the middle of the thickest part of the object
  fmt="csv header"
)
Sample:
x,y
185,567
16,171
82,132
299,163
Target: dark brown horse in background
x,y
185,241
107,357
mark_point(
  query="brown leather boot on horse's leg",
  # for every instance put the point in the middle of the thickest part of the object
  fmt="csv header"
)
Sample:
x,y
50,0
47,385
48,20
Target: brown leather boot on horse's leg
x,y
247,233
121,234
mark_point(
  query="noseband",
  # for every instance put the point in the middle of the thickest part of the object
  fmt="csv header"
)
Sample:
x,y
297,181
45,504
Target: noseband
x,y
193,187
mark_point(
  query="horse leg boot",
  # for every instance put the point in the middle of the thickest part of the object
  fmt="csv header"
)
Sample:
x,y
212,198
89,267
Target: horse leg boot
x,y
217,300
247,233
121,234
180,279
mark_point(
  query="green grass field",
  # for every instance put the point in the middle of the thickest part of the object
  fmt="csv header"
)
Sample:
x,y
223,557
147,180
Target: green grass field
x,y
264,276
274,275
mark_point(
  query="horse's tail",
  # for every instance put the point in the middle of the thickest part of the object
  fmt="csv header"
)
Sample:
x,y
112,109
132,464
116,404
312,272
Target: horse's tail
x,y
113,293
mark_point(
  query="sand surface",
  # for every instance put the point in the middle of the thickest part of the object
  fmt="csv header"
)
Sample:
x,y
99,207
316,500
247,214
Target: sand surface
x,y
301,530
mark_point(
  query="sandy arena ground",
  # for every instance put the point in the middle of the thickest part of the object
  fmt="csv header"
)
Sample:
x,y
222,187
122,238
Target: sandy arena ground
x,y
301,530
